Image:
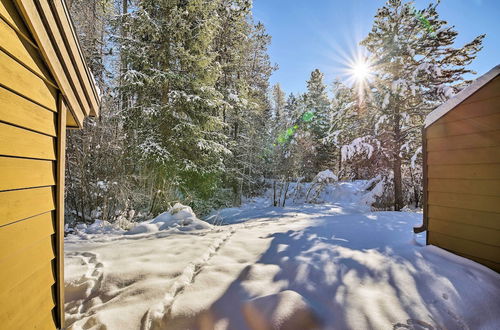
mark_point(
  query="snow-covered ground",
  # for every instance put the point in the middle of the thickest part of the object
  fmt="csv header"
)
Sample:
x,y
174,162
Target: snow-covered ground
x,y
322,266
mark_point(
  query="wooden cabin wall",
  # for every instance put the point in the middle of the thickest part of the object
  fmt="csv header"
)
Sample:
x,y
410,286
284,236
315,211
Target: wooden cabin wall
x,y
463,180
28,180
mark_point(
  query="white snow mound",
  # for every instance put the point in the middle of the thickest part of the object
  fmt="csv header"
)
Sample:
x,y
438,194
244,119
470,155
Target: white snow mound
x,y
179,217
283,310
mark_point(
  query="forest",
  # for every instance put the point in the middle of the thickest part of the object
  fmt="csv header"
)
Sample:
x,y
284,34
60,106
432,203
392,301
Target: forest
x,y
188,113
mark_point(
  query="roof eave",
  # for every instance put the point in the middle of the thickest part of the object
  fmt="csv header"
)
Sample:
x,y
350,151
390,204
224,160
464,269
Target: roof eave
x,y
44,20
447,106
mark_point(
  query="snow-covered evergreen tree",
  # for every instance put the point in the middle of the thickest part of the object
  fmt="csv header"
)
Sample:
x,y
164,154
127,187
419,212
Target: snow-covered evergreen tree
x,y
415,68
318,105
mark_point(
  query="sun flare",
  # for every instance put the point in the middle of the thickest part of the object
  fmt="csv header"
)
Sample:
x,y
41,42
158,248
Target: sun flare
x,y
360,70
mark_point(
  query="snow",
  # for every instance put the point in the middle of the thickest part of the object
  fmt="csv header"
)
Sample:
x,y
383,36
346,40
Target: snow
x,y
356,147
335,265
180,217
325,176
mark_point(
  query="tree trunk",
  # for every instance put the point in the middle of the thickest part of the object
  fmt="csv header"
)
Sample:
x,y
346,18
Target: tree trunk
x,y
274,193
398,182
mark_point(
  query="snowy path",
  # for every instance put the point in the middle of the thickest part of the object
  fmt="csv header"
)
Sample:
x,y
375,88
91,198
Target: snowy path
x,y
323,266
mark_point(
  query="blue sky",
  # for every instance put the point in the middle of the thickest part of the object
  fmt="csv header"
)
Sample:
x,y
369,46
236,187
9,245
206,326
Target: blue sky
x,y
323,34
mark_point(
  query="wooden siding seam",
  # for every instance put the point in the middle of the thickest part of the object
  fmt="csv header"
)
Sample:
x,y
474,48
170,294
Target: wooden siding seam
x,y
464,208
488,130
465,239
27,188
19,32
465,102
461,193
27,67
454,192
473,133
31,246
26,128
24,219
26,97
464,223
26,157
469,164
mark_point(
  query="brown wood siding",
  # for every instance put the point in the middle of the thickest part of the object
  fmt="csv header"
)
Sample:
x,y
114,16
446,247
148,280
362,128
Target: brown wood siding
x,y
463,178
29,139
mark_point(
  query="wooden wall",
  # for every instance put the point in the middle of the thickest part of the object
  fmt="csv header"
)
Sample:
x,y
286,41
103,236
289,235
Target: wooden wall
x,y
463,178
30,125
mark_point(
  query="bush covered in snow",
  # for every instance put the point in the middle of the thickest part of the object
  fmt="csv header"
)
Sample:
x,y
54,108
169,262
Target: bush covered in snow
x,y
179,217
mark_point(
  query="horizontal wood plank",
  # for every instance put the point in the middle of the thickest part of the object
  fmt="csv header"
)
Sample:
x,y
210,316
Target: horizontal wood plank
x,y
15,296
472,217
472,110
471,248
485,155
19,111
465,201
20,204
464,186
16,77
19,142
473,171
469,232
19,173
488,91
23,51
19,235
467,141
48,323
32,313
21,265
462,127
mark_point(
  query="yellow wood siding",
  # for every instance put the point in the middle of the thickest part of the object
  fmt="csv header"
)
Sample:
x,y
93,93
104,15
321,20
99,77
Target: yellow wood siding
x,y
463,178
19,173
17,205
23,51
15,141
459,215
28,163
22,81
21,234
9,13
19,111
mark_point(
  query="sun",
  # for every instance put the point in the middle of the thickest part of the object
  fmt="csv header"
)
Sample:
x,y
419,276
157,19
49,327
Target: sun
x,y
361,70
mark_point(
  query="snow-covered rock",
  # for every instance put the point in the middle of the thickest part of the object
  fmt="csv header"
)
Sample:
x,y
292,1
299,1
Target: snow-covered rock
x,y
179,217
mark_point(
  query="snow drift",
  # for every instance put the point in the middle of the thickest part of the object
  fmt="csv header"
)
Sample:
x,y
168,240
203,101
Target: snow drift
x,y
330,266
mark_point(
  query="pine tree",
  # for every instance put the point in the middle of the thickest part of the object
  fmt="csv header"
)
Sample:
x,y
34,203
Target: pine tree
x,y
415,68
171,77
318,104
